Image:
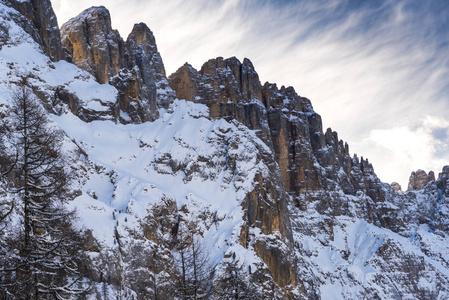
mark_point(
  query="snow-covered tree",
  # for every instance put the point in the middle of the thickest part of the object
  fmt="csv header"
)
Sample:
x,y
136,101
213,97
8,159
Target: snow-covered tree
x,y
6,165
6,203
234,282
194,271
46,263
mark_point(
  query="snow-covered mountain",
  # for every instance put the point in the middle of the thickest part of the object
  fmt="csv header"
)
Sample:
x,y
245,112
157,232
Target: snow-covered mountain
x,y
246,167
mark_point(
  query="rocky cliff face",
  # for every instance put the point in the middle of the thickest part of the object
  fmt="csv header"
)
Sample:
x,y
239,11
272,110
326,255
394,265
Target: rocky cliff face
x,y
134,67
92,43
396,187
308,158
232,90
44,27
420,179
315,168
248,164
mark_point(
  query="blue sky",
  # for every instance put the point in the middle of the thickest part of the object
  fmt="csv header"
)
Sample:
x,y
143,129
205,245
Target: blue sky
x,y
377,71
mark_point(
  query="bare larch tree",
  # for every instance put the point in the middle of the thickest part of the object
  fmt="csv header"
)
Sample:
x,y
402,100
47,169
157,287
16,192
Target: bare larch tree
x,y
46,263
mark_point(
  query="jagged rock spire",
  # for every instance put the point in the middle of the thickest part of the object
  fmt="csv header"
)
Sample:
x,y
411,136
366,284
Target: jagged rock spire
x,y
283,119
419,179
396,187
92,43
134,67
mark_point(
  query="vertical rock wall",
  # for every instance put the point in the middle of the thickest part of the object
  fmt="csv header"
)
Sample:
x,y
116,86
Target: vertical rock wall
x,y
133,66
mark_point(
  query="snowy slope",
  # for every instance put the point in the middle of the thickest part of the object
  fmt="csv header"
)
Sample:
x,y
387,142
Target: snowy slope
x,y
21,56
139,165
345,257
131,167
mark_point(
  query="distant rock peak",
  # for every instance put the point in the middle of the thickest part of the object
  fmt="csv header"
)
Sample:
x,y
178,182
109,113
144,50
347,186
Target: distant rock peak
x,y
94,12
396,187
419,179
142,35
443,180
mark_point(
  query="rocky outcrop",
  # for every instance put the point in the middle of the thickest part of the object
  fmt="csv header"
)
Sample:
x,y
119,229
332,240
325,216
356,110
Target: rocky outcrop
x,y
313,166
425,202
420,179
443,181
266,208
92,43
134,67
396,187
227,86
308,158
219,81
41,15
144,59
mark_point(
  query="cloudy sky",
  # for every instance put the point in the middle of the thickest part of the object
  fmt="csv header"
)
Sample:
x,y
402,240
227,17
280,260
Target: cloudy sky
x,y
377,71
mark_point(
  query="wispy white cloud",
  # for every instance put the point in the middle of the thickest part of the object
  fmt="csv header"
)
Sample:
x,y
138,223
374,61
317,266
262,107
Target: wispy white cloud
x,y
424,145
377,73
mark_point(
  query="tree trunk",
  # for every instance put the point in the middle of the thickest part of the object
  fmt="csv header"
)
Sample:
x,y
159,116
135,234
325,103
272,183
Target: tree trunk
x,y
26,198
183,276
195,277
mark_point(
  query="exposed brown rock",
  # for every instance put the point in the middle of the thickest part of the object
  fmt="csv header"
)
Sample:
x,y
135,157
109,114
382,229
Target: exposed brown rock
x,y
186,83
283,119
288,118
420,179
92,43
282,269
396,187
134,67
221,83
266,208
